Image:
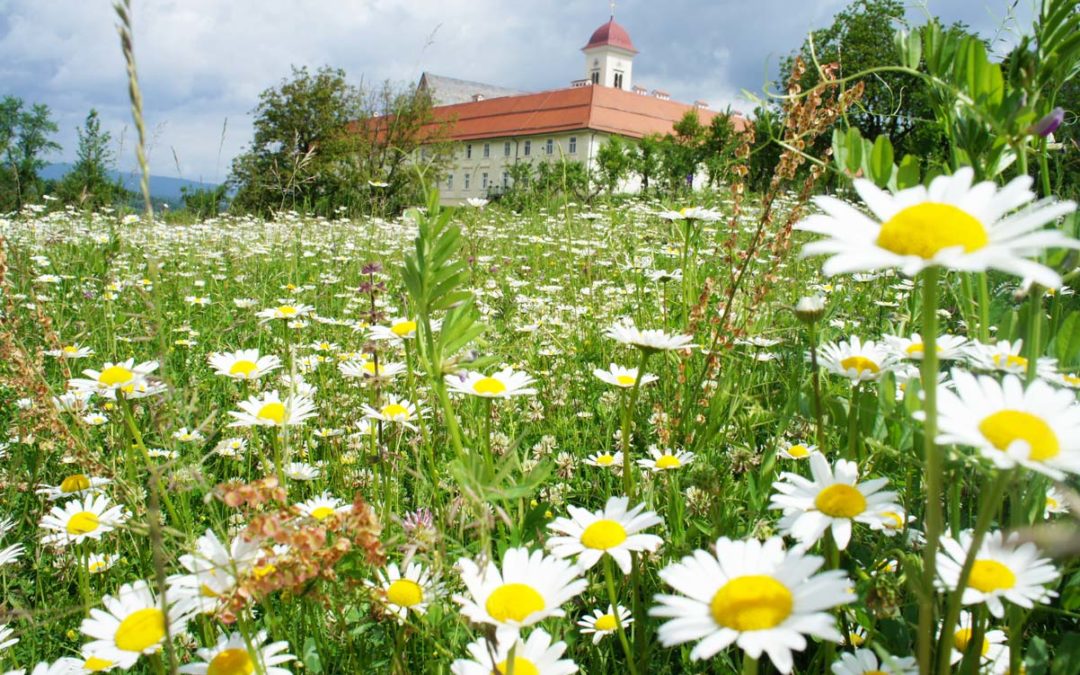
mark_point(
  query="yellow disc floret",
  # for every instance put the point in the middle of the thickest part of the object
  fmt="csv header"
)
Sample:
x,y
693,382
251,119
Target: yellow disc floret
x,y
752,602
925,229
1005,427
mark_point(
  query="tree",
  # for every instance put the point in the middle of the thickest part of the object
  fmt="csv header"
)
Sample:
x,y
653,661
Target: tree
x,y
681,152
647,160
88,184
24,141
614,161
321,143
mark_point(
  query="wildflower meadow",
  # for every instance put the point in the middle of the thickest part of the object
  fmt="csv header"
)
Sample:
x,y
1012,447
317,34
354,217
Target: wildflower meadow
x,y
826,427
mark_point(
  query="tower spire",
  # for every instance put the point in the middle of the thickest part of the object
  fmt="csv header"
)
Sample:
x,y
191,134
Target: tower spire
x,y
612,3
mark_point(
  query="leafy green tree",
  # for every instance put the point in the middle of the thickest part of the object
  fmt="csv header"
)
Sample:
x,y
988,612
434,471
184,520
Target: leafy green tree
x,y
614,162
88,183
321,143
25,141
647,159
682,152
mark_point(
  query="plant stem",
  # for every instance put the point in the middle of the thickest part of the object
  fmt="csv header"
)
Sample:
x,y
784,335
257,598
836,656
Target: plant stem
x,y
749,665
628,475
609,576
853,422
1034,335
815,376
933,463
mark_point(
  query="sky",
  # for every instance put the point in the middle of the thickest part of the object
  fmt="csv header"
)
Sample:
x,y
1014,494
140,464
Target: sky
x,y
203,63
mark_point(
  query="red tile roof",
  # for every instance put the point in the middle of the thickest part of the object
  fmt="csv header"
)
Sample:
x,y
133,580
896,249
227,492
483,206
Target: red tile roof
x,y
591,107
611,34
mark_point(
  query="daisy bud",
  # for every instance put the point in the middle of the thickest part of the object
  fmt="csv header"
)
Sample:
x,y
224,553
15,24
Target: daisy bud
x,y
810,308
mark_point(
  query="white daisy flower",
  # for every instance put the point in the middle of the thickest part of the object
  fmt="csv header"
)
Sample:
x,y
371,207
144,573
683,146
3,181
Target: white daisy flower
x,y
618,376
649,340
400,328
529,588
952,224
615,531
5,636
992,649
233,448
797,451
132,624
753,594
245,364
395,411
534,656
865,662
600,624
11,554
302,471
606,460
75,484
81,519
949,347
268,409
323,506
62,666
72,351
666,459
185,435
285,311
503,384
412,591
369,370
829,502
1006,357
856,360
96,563
213,571
232,656
1070,380
92,663
1004,569
124,376
1037,427
1055,503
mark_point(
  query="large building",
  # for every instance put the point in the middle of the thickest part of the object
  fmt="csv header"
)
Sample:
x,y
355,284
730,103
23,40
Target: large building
x,y
494,127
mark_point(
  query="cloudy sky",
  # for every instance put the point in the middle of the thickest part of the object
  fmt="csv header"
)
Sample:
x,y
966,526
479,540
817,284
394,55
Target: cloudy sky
x,y
202,63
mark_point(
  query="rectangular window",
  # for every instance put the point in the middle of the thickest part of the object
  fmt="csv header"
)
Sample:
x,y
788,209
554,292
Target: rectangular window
x,y
550,146
506,180
467,176
528,148
618,80
468,151
487,150
450,182
596,77
573,144
506,149
483,181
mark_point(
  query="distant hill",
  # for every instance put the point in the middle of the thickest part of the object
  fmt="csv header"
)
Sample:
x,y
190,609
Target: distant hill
x,y
161,187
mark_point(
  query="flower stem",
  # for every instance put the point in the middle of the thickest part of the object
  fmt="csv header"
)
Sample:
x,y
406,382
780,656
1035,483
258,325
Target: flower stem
x,y
815,376
933,462
1034,336
853,422
628,476
609,576
749,665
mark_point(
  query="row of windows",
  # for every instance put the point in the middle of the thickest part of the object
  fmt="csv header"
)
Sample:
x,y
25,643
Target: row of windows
x,y
485,182
549,148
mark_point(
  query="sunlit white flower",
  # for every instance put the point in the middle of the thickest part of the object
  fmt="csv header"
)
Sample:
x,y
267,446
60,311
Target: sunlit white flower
x,y
232,655
1006,357
1004,569
1055,503
268,409
412,591
72,351
132,624
75,484
666,460
323,506
949,347
605,460
81,519
652,340
952,224
992,649
600,624
534,656
503,384
245,364
856,360
753,594
796,450
1037,427
394,411
124,376
400,328
5,636
619,376
615,531
865,662
829,502
288,312
370,370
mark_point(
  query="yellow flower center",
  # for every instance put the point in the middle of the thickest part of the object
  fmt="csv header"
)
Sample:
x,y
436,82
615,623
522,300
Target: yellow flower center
x,y
96,566
114,375
141,630
264,570
1005,427
625,380
273,411
856,640
990,575
96,664
798,451
605,459
75,483
286,310
1071,380
513,602
522,666
925,229
243,368
668,462
231,662
405,592
321,512
860,364
962,639
894,521
395,410
874,672
71,349
1051,503
369,368
840,501
606,622
1010,361
403,328
82,522
207,592
489,386
751,602
603,534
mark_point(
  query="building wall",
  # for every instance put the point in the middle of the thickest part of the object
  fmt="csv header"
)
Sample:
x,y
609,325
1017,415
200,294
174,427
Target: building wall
x,y
607,62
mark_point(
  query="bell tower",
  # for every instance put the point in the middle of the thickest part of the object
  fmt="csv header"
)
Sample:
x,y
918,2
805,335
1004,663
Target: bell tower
x,y
609,56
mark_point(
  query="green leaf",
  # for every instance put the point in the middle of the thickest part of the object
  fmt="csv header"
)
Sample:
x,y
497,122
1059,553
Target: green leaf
x,y
907,175
854,151
881,161
310,656
1067,340
1066,655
